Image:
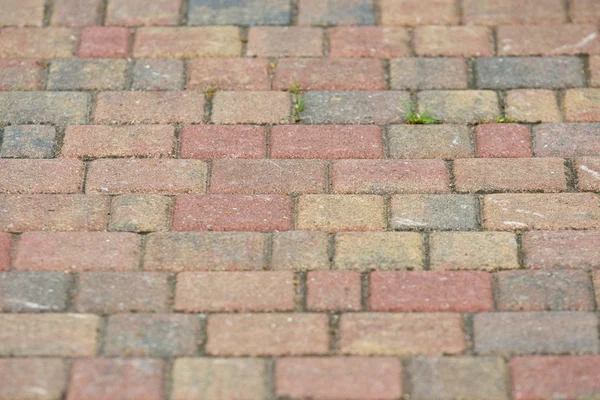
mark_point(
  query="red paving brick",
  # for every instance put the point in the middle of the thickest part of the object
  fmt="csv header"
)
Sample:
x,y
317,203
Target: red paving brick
x,y
215,141
333,291
503,140
101,42
228,74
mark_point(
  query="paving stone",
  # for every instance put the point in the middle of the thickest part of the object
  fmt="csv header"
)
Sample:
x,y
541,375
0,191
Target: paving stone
x,y
5,250
498,12
368,41
447,378
140,213
442,212
87,75
235,291
140,12
562,249
429,141
21,75
333,291
424,73
38,43
588,173
544,291
236,12
228,74
473,250
460,106
104,42
582,11
151,335
158,74
187,42
340,213
204,251
251,107
300,250
46,376
267,334
22,13
339,377
28,141
503,141
453,41
28,176
531,105
353,107
401,334
364,251
417,12
594,67
286,41
596,279
548,40
111,293
216,141
34,291
529,72
509,333
53,335
75,13
582,105
566,140
218,378
336,12
44,107
550,377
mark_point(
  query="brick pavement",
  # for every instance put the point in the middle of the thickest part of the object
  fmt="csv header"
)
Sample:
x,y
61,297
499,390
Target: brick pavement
x,y
205,199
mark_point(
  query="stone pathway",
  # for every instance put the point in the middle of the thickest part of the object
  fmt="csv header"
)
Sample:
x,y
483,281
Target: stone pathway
x,y
210,199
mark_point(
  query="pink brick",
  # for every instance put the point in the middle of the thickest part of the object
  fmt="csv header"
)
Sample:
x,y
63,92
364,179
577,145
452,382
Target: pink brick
x,y
368,41
498,12
503,140
333,291
78,251
75,12
20,377
457,41
232,213
328,141
235,291
418,12
285,41
562,249
457,291
140,12
268,176
329,74
216,141
5,247
228,74
547,40
103,42
21,74
584,11
41,176
582,105
38,43
555,377
339,378
22,13
118,141
588,173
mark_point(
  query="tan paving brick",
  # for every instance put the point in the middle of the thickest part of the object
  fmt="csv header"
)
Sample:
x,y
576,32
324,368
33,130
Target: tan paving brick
x,y
41,176
532,105
582,105
429,141
300,250
497,12
288,41
588,173
417,12
341,213
460,106
455,41
136,12
38,43
46,376
251,107
75,12
140,213
368,41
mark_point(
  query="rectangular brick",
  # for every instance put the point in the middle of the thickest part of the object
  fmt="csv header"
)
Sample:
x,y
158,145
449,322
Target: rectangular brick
x,y
164,176
541,211
228,74
103,42
417,12
582,105
34,291
566,140
140,213
532,105
21,75
222,212
41,176
407,334
28,141
235,291
452,41
158,74
512,175
562,249
333,291
389,176
287,41
300,250
441,212
460,106
429,141
75,12
588,173
77,251
149,107
336,12
368,41
268,176
267,334
217,141
250,107
428,73
517,12
37,43
135,12
583,11
46,376
424,291
503,141
187,42
54,335
204,251
341,213
82,74
5,250
248,12
508,333
594,67
336,141
44,107
339,378
22,13
546,40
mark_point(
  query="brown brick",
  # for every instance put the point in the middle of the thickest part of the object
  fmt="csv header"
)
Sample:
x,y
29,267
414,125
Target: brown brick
x,y
5,247
458,378
455,41
38,43
473,250
187,42
28,141
41,176
95,141
582,105
268,176
503,141
554,377
397,334
341,213
498,12
49,212
442,212
594,66
417,12
562,249
21,75
588,173
165,176
111,293
136,12
541,211
428,73
222,212
34,291
204,251
20,378
267,334
545,40
339,377
365,251
58,108
54,335
532,105
247,107
429,141
584,11
22,13
513,175
389,176
216,141
75,12
285,41
300,250
368,41
544,291
566,140
103,42
140,213
149,107
509,333
336,12
82,74
235,291
218,378
460,106
78,251
455,291
228,74
333,291
158,74
116,379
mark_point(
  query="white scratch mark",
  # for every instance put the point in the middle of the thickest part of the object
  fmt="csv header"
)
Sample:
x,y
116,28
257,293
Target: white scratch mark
x,y
530,213
595,174
577,45
513,223
405,221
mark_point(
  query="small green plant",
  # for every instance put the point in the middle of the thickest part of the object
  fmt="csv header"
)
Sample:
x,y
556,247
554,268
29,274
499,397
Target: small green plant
x,y
501,119
296,91
411,116
211,92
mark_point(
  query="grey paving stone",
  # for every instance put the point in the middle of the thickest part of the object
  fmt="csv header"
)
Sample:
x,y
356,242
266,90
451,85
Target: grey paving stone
x,y
28,141
36,107
443,212
34,291
239,12
78,74
160,74
430,141
566,140
428,73
336,12
460,106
